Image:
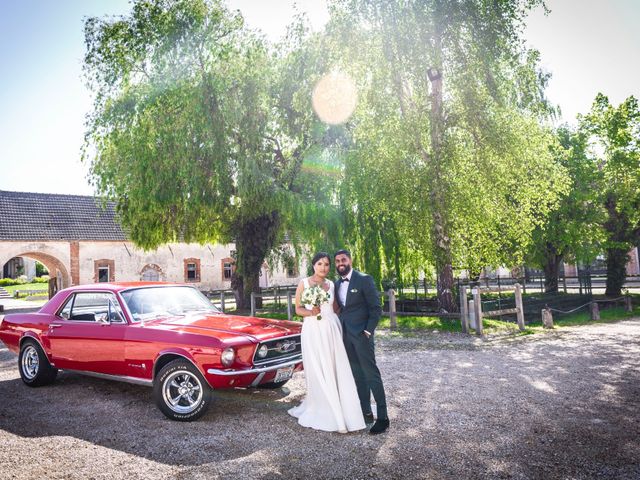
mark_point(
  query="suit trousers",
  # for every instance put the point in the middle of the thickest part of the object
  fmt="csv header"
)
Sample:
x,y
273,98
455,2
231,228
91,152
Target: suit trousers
x,y
361,353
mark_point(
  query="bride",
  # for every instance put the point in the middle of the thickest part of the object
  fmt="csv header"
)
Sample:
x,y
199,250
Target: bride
x,y
331,403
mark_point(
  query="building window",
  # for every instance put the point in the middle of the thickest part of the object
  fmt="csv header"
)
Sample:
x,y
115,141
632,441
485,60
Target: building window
x,y
104,270
150,273
103,274
228,267
192,270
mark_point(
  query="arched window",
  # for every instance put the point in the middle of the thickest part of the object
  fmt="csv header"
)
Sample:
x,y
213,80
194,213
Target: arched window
x,y
150,273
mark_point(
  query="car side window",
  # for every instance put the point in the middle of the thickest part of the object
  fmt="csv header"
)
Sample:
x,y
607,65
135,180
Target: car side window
x,y
94,307
66,310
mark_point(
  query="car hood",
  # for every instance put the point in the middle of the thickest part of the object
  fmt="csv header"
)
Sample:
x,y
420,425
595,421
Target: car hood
x,y
226,326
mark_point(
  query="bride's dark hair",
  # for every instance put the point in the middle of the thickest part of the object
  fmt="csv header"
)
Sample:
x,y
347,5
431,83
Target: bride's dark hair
x,y
319,256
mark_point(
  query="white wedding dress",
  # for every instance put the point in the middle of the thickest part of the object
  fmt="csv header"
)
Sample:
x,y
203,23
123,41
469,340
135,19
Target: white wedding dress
x,y
331,403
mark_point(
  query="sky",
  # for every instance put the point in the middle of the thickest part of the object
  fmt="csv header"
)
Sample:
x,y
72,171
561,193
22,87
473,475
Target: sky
x,y
588,46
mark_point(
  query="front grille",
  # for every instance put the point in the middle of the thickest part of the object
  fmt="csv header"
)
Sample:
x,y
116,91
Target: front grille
x,y
280,349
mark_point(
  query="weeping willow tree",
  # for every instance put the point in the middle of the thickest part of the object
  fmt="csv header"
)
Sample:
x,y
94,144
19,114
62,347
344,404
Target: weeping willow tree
x,y
199,136
450,162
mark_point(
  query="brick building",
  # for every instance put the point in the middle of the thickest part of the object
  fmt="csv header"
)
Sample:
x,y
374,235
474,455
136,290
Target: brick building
x,y
80,241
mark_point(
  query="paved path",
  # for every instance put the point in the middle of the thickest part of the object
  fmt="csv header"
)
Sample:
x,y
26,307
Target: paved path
x,y
562,405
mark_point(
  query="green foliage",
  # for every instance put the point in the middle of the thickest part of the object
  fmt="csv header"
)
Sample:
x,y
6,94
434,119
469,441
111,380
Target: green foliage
x,y
449,164
572,231
200,134
41,269
614,137
5,282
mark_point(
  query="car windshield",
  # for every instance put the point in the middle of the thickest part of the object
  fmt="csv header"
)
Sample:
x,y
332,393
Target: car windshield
x,y
154,302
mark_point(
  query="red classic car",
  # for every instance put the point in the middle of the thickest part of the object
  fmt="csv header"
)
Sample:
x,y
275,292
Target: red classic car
x,y
168,336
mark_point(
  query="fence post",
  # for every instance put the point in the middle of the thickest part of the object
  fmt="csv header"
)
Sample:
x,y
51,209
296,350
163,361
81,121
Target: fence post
x,y
520,307
222,301
253,304
595,311
564,282
464,309
289,314
547,318
628,305
393,317
477,308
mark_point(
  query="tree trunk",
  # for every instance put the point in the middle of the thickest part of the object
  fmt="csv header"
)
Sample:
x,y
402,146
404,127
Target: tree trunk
x,y
617,226
254,239
617,259
551,269
442,241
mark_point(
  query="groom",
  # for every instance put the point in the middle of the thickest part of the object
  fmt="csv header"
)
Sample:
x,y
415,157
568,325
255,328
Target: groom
x,y
360,313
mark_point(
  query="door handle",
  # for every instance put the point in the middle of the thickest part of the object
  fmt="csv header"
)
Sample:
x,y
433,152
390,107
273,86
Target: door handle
x,y
54,325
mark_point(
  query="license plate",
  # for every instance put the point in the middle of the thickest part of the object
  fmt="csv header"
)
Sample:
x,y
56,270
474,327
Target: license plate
x,y
283,374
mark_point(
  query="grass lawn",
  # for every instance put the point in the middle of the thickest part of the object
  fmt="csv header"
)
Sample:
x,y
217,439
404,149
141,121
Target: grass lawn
x,y
28,286
409,324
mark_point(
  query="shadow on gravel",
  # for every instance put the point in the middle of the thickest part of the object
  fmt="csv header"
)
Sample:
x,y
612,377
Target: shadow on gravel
x,y
563,408
124,417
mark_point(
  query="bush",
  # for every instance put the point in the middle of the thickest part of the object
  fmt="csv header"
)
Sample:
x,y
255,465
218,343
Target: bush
x,y
42,279
7,282
41,270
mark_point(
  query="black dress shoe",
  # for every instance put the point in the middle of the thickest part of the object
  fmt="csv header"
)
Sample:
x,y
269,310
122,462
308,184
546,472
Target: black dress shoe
x,y
380,426
368,418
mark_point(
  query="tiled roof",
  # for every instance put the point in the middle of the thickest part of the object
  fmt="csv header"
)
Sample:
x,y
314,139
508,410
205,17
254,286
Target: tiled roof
x,y
47,216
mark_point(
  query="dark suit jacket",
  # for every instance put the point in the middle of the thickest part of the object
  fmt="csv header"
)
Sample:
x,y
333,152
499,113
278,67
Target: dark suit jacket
x,y
363,309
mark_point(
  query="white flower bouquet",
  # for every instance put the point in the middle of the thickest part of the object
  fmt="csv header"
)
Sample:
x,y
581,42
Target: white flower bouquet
x,y
315,296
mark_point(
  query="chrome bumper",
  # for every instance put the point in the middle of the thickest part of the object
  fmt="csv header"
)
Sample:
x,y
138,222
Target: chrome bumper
x,y
270,368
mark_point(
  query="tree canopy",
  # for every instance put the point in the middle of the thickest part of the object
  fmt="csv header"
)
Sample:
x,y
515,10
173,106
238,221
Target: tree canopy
x,y
450,162
201,134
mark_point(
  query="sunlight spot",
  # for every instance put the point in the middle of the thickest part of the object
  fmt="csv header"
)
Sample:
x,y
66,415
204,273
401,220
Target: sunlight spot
x,y
543,386
464,365
334,98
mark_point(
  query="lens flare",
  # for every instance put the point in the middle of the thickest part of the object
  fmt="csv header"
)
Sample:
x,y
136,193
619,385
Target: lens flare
x,y
334,98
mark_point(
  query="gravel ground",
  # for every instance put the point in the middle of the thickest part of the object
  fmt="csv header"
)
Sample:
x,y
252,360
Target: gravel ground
x,y
564,404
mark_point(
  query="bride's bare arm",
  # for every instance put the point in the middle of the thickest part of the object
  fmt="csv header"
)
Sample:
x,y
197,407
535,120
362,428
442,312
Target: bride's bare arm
x,y
300,309
336,306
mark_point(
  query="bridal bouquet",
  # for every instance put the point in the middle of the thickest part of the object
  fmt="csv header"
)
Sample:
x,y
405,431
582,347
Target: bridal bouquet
x,y
315,296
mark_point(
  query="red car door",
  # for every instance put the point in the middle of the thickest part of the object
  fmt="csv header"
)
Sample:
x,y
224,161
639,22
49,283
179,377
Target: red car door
x,y
89,334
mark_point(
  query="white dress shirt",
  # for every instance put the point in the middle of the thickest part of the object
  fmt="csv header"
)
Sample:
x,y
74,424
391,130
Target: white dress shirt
x,y
344,288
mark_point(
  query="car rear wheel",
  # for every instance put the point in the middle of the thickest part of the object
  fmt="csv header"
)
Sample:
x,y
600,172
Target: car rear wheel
x,y
273,385
34,366
180,391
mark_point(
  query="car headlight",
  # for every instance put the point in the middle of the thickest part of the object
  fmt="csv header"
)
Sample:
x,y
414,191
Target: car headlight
x,y
227,357
262,351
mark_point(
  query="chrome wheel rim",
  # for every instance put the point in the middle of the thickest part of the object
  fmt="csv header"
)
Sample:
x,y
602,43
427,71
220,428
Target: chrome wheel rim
x,y
30,362
182,391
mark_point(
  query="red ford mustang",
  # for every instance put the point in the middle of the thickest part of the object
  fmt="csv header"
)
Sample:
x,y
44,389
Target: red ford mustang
x,y
168,336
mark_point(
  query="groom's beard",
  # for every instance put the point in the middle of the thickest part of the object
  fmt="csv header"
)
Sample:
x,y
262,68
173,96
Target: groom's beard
x,y
343,270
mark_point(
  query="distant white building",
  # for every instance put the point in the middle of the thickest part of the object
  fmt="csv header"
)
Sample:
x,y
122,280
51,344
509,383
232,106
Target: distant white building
x,y
80,242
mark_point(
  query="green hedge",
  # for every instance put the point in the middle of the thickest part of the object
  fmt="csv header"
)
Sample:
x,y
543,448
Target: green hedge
x,y
7,282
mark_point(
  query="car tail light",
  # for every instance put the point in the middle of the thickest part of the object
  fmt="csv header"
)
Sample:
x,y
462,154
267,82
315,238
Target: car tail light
x,y
227,357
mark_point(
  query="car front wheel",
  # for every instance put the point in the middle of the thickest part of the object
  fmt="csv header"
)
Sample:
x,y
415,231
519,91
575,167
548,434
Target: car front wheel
x,y
34,366
180,391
